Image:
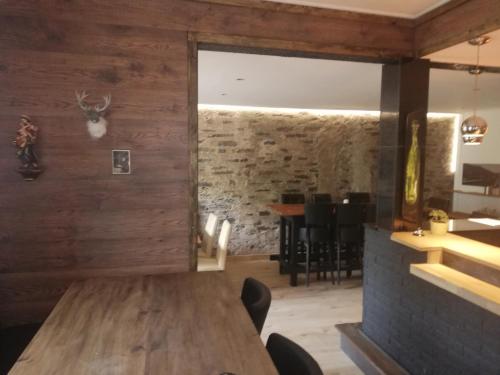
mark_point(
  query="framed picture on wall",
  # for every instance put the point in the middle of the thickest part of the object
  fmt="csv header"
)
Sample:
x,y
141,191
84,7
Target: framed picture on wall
x,y
121,161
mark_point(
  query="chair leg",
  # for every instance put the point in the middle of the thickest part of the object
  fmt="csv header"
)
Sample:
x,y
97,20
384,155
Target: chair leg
x,y
318,262
360,256
325,259
332,264
349,257
338,263
308,250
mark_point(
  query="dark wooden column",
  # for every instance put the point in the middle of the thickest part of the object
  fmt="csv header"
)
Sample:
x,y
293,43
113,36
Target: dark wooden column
x,y
405,91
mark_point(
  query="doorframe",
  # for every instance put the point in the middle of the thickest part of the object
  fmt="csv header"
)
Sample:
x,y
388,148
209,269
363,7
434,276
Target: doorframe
x,y
237,44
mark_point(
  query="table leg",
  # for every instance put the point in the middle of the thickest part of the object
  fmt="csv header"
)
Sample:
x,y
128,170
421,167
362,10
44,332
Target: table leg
x,y
283,230
338,263
293,252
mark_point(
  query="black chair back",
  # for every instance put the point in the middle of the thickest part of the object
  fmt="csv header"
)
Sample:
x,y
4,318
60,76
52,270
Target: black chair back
x,y
358,197
257,298
349,221
321,198
289,358
368,213
349,214
318,214
293,198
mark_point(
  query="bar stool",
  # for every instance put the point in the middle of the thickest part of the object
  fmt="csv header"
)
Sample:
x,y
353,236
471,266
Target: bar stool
x,y
349,237
359,198
317,237
321,198
285,226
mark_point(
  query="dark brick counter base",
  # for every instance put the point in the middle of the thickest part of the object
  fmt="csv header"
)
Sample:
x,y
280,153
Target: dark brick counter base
x,y
427,330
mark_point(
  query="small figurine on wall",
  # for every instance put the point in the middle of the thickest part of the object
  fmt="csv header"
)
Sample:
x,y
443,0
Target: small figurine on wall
x,y
96,124
25,142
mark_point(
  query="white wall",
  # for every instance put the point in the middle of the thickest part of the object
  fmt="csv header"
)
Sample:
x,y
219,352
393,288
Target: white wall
x,y
486,153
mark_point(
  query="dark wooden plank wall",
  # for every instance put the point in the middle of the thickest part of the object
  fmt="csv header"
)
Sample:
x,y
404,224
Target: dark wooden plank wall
x,y
77,220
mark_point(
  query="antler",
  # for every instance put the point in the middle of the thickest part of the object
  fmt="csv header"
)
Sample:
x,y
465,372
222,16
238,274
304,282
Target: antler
x,y
80,98
107,102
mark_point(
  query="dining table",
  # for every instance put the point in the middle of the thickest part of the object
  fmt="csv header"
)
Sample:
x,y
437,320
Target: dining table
x,y
185,323
293,214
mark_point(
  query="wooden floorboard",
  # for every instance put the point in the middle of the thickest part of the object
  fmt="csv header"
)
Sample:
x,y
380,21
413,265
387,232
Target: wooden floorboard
x,y
306,315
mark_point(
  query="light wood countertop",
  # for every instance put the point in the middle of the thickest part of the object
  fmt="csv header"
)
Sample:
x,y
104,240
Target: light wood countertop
x,y
463,285
467,287
476,251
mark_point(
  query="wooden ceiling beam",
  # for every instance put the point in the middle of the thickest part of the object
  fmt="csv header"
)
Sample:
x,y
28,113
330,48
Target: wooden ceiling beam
x,y
455,22
346,34
314,11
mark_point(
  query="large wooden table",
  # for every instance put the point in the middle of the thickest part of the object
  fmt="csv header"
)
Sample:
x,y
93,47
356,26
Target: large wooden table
x,y
288,209
189,324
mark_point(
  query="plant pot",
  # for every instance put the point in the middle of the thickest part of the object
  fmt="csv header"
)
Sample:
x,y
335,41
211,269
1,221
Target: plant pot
x,y
438,228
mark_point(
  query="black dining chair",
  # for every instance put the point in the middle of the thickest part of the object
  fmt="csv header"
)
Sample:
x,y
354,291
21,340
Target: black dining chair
x,y
290,358
257,298
317,237
13,341
349,232
358,198
321,198
293,198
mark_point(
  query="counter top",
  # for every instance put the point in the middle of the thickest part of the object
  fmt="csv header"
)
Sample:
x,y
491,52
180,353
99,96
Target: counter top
x,y
469,288
473,224
466,286
476,251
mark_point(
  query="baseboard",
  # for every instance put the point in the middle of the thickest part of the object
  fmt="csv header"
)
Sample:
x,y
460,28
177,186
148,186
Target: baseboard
x,y
367,355
247,258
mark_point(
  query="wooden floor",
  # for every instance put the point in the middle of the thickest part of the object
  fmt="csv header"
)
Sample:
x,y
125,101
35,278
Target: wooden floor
x,y
305,315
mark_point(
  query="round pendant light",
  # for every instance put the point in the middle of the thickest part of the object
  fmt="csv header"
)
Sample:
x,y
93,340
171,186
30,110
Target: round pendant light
x,y
473,130
474,127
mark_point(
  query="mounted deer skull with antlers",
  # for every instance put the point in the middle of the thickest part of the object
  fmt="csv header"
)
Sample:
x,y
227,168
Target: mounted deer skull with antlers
x,y
96,123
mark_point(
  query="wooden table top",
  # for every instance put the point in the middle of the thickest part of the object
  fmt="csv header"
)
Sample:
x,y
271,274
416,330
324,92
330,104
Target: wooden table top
x,y
288,209
189,324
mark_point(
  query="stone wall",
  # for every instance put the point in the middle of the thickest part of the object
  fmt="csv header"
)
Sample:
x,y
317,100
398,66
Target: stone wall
x,y
248,158
438,178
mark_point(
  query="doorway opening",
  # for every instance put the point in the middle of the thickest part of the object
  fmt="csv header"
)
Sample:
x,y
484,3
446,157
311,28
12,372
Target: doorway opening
x,y
267,124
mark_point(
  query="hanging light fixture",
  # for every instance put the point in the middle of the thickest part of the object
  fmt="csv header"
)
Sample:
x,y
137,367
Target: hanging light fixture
x,y
474,127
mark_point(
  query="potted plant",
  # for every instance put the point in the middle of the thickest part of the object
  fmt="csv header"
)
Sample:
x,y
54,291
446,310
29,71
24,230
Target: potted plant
x,y
439,222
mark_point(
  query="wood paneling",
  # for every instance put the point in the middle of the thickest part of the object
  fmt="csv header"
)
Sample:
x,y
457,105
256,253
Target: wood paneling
x,y
375,35
78,220
454,23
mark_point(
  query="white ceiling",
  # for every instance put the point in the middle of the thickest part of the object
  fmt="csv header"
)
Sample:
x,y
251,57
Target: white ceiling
x,y
396,8
289,82
464,53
